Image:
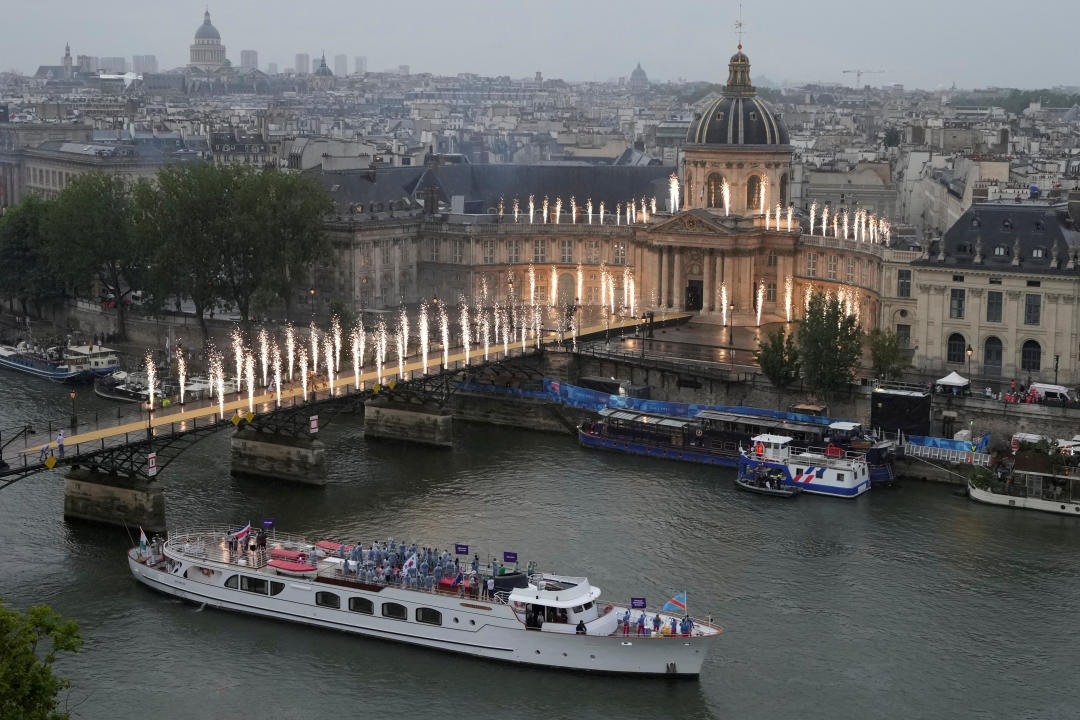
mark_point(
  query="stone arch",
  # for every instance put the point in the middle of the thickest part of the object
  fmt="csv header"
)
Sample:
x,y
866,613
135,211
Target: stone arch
x,y
714,196
993,351
954,348
567,288
753,193
1031,356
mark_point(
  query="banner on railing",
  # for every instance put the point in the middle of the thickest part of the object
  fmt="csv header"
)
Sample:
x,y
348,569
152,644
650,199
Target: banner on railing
x,y
460,549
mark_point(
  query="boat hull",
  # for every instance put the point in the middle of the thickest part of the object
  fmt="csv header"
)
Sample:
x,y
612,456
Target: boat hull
x,y
784,492
480,633
634,448
67,376
808,482
1057,507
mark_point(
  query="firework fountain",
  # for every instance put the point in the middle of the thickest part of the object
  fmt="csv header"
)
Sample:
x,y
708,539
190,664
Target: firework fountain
x,y
313,337
402,343
290,347
790,210
588,209
217,380
302,362
181,370
276,361
573,210
464,320
558,209
379,341
532,285
824,220
723,303
399,346
249,378
356,339
789,287
580,284
673,193
763,193
725,191
768,211
151,379
845,224
813,215
532,209
554,286
328,351
760,299
264,356
444,327
777,216
335,333
425,338
545,209
238,354
601,212
517,209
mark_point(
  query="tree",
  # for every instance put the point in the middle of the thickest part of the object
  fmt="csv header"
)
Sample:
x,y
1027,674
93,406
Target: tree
x,y
892,137
28,687
241,253
185,216
886,356
91,239
26,274
829,343
778,358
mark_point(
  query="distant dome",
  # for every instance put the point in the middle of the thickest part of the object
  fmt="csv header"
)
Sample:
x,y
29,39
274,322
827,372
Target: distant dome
x,y
207,31
638,78
738,117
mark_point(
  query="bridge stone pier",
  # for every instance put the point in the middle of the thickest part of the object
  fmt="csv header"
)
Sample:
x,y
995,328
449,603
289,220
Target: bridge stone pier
x,y
412,422
294,458
102,497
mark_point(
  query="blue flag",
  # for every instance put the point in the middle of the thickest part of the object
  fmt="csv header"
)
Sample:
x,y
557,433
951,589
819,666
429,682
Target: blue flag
x,y
458,579
677,603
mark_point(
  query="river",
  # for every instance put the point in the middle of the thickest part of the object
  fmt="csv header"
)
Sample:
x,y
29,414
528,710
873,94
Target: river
x,y
904,603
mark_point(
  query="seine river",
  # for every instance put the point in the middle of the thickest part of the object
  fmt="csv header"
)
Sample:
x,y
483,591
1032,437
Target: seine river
x,y
907,603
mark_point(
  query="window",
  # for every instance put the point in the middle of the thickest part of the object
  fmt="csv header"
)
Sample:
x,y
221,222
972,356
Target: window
x,y
903,283
864,272
1032,308
253,584
514,251
459,251
361,605
958,278
992,353
831,272
995,281
1038,252
955,348
434,257
385,253
903,335
620,253
233,582
566,246
1034,283
715,191
850,274
489,251
811,264
593,248
428,616
1031,356
956,303
327,599
770,292
276,587
993,306
394,611
539,250
1001,251
753,193
771,262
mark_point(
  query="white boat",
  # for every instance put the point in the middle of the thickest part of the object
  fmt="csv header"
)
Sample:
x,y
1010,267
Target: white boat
x,y
96,359
291,580
1029,490
47,364
820,471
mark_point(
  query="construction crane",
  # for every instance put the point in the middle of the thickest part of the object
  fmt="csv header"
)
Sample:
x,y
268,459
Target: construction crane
x,y
859,73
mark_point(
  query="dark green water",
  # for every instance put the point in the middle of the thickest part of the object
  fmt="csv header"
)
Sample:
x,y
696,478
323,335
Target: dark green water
x,y
911,603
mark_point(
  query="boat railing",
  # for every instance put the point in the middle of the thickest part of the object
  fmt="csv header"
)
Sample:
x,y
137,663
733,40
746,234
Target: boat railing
x,y
211,543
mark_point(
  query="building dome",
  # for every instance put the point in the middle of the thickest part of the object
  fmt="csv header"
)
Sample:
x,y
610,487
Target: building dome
x,y
207,31
739,116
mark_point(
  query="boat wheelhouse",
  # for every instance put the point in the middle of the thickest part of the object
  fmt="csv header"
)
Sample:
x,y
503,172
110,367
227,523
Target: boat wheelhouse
x,y
541,619
820,471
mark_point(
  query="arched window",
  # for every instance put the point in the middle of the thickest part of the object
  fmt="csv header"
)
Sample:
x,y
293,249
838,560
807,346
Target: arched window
x,y
783,189
992,353
955,348
714,195
1031,356
753,193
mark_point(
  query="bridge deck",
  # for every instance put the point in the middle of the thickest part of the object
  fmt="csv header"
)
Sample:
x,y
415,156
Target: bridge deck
x,y
176,414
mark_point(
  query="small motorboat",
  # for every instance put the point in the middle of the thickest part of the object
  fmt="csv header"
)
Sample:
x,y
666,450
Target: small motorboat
x,y
765,481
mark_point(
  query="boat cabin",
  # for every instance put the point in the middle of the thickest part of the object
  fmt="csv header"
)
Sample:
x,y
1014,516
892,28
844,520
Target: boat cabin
x,y
557,602
771,447
101,360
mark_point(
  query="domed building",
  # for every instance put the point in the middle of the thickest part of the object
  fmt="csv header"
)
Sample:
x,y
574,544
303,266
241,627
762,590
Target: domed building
x,y
323,77
207,53
739,138
638,79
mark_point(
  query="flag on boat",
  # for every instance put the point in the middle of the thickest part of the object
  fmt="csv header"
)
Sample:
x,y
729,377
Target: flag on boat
x,y
142,539
458,579
242,532
409,564
676,603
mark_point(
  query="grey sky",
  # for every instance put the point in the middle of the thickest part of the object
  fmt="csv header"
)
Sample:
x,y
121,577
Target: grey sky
x,y
921,43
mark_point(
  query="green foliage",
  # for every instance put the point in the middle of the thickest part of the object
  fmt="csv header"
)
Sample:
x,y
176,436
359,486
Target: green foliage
x,y
778,358
981,477
892,137
1016,101
25,274
829,343
29,644
887,358
91,237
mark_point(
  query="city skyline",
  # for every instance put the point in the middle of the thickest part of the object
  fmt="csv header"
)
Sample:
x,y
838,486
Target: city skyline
x,y
586,43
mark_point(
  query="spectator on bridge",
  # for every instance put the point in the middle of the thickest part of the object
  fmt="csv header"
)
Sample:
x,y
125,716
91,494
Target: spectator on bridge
x,y
60,442
44,453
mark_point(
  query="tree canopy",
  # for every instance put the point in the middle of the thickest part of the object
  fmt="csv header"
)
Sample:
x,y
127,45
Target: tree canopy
x,y
830,343
886,356
29,644
778,358
25,273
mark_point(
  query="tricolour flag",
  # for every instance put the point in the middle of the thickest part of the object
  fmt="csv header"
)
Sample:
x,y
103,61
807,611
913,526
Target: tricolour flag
x,y
142,539
677,603
242,532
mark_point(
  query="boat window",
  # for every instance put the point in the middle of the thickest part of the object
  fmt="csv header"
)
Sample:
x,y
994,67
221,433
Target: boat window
x,y
327,599
577,609
233,582
428,616
395,611
361,605
253,584
839,477
587,605
276,587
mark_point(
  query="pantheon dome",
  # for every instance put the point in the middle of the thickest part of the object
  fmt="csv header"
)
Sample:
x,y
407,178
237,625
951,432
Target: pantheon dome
x,y
207,52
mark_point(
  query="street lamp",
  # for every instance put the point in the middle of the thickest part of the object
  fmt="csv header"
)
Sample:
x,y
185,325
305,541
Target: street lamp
x,y
75,420
969,351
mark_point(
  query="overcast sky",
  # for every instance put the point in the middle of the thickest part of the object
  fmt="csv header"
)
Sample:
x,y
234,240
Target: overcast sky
x,y
920,43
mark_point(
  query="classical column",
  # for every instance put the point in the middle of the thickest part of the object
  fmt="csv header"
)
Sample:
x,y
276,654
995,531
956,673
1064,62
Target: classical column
x,y
708,280
678,290
661,286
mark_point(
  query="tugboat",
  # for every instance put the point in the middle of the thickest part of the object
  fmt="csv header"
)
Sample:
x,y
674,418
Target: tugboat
x,y
392,592
820,471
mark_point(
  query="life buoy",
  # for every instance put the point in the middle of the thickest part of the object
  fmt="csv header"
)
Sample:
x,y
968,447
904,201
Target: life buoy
x,y
608,609
698,432
206,571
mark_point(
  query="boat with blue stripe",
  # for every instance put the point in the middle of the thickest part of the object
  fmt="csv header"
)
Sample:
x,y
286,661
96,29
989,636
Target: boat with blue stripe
x,y
44,366
819,471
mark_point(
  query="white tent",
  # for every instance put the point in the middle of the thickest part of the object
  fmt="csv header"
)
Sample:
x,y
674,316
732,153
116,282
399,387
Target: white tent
x,y
953,379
